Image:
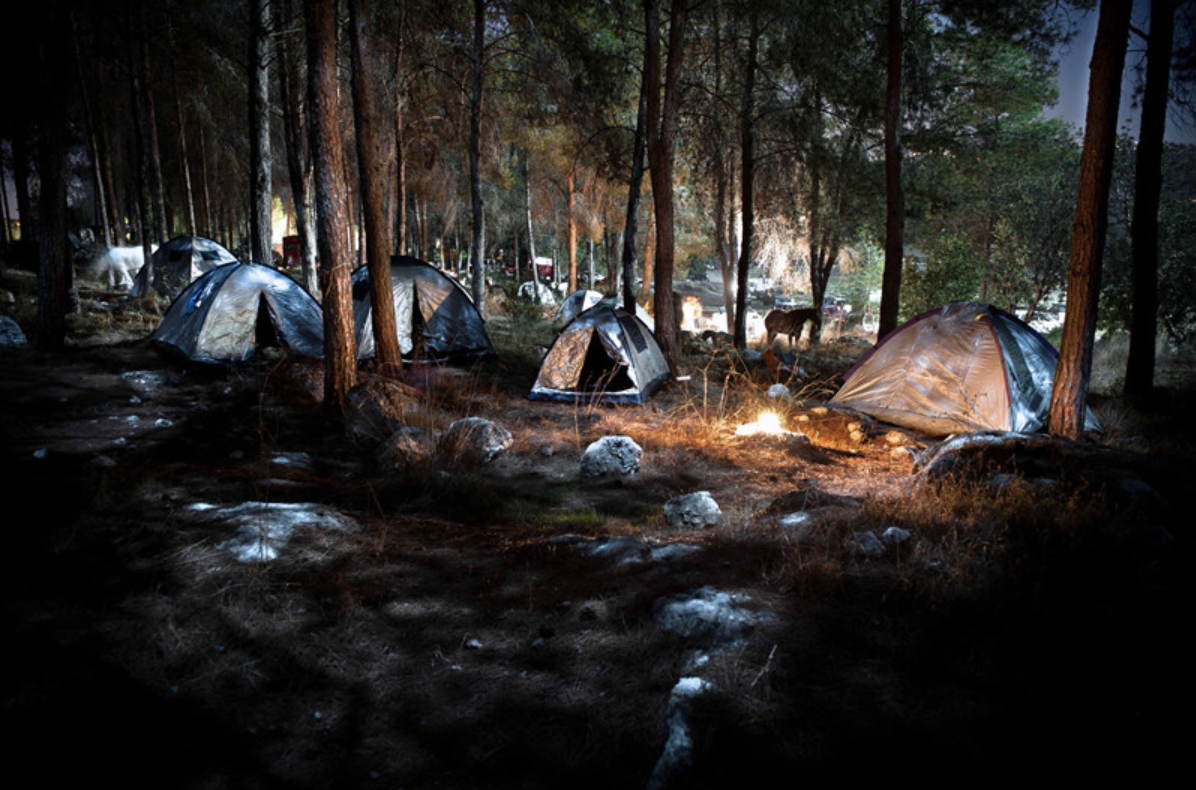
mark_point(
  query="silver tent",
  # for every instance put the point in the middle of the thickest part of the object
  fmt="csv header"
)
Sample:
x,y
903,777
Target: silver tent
x,y
604,355
434,315
578,302
232,311
178,262
963,367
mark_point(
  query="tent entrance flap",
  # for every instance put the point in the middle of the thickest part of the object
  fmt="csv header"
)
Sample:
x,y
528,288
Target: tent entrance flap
x,y
265,334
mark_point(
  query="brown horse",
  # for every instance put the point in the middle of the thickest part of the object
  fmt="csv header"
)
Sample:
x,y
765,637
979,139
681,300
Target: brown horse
x,y
791,322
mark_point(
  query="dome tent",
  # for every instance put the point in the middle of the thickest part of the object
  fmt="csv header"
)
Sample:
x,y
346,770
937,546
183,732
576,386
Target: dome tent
x,y
963,367
578,302
604,355
232,311
178,262
433,314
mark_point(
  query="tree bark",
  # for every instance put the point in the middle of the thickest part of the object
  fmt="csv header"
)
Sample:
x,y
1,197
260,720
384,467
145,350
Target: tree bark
x,y
662,126
1148,183
145,232
340,351
748,180
377,234
260,155
570,185
1073,373
890,294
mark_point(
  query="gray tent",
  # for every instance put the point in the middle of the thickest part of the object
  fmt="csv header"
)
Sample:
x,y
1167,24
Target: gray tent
x,y
232,311
603,355
433,314
178,262
964,367
578,302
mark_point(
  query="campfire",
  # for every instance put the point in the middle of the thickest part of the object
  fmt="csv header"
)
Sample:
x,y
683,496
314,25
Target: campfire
x,y
768,422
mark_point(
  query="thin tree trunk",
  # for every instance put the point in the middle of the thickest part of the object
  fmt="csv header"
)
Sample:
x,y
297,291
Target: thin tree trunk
x,y
1073,373
647,290
152,149
299,166
570,184
144,231
102,199
662,124
890,294
117,230
212,220
531,236
188,193
340,352
748,182
260,155
1148,183
369,161
633,200
475,155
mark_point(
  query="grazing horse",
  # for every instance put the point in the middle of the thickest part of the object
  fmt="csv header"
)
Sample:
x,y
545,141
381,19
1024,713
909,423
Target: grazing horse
x,y
790,322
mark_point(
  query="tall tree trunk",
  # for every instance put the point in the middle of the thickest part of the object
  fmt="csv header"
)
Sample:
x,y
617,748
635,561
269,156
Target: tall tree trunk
x,y
1148,183
1073,373
102,199
475,156
185,164
145,232
377,234
150,118
747,123
890,293
572,199
633,199
22,153
53,277
340,352
117,229
531,236
299,166
662,125
212,221
649,259
260,158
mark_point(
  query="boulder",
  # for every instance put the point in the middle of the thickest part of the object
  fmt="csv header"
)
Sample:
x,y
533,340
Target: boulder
x,y
693,511
10,332
868,544
613,455
476,439
405,448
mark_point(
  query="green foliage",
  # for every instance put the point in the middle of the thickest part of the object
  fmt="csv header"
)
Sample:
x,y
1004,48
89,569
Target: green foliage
x,y
950,272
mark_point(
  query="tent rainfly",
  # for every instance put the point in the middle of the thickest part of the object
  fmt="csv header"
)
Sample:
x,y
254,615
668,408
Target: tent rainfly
x,y
178,262
231,312
963,367
433,313
604,355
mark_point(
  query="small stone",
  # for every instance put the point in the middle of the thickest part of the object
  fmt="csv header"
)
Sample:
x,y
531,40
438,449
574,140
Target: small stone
x,y
693,511
778,391
868,544
618,455
473,644
894,535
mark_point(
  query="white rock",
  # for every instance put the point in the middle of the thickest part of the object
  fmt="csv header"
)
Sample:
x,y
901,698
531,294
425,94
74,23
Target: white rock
x,y
707,611
618,455
778,391
693,511
894,535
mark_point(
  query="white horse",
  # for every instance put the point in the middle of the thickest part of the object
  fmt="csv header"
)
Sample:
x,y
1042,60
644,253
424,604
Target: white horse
x,y
119,265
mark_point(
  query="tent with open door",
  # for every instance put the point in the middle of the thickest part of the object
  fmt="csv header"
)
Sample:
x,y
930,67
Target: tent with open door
x,y
963,367
235,310
603,355
178,262
433,313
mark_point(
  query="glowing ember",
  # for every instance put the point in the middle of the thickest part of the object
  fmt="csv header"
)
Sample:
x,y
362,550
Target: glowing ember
x,y
767,422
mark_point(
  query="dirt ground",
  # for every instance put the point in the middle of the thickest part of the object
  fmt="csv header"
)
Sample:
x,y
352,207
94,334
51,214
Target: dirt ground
x,y
460,639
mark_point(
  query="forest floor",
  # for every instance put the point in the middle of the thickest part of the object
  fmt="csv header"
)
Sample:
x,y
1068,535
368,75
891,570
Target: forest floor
x,y
461,638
